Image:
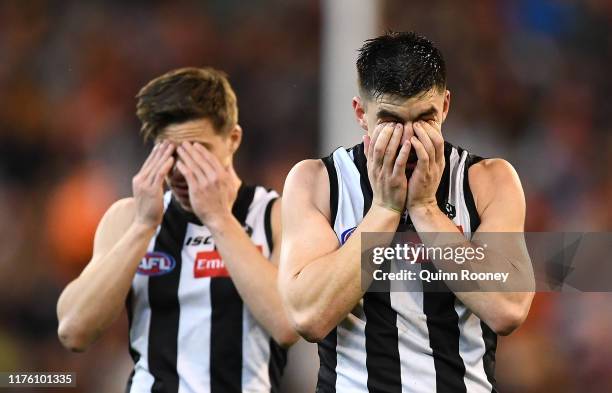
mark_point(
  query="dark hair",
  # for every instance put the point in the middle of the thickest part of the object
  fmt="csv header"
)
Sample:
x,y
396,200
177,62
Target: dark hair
x,y
186,94
404,64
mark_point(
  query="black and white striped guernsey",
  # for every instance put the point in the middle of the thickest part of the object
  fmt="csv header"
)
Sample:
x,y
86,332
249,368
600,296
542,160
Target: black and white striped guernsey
x,y
410,341
190,331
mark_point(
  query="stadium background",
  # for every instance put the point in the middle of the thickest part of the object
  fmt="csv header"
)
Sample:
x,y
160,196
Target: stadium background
x,y
530,83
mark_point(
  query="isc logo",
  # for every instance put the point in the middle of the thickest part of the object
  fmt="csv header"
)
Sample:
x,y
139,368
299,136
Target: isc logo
x,y
155,264
209,264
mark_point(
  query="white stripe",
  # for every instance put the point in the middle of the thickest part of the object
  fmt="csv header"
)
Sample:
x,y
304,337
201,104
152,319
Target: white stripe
x,y
471,342
193,355
255,355
452,191
143,380
418,373
255,340
350,196
472,349
351,371
463,215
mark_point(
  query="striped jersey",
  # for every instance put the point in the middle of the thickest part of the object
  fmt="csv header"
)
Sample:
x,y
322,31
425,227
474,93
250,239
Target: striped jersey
x,y
190,332
411,341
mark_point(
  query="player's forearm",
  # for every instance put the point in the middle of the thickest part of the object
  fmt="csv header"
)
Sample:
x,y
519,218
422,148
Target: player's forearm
x,y
255,278
326,289
94,300
497,302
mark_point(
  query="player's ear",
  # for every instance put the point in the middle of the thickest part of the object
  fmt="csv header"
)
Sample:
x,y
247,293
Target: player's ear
x,y
235,138
359,109
446,105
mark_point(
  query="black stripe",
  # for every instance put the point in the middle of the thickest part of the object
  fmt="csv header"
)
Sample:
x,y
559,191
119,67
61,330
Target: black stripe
x,y
442,191
268,224
326,381
443,328
490,340
276,365
134,354
226,318
360,161
442,319
333,186
278,355
381,336
128,386
164,304
488,335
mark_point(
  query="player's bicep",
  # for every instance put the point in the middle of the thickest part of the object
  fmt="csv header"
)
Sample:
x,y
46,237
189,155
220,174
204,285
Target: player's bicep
x,y
307,234
501,206
112,227
499,196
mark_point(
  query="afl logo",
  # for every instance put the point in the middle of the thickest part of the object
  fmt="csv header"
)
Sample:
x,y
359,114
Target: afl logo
x,y
155,264
346,234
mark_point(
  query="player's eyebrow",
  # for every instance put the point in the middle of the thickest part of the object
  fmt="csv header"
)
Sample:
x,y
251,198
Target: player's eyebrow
x,y
427,112
387,114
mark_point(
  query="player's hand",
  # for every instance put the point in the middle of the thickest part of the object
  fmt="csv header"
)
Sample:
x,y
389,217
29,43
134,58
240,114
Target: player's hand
x,y
209,183
147,185
387,167
429,146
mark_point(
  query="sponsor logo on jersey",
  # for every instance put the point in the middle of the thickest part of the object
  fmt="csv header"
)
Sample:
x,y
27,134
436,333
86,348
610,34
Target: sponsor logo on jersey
x,y
209,264
200,240
450,210
197,240
346,234
156,263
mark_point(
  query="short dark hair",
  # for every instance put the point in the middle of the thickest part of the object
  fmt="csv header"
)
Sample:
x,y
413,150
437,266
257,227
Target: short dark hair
x,y
187,94
404,64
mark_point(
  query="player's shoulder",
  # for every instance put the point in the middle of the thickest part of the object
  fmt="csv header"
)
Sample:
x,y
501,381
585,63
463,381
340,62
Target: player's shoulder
x,y
120,214
491,178
307,173
492,170
122,206
308,181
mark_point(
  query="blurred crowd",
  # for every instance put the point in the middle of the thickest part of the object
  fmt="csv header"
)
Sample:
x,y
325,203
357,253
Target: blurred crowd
x,y
529,81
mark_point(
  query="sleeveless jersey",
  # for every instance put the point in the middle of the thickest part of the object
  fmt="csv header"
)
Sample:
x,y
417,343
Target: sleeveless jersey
x,y
411,341
190,331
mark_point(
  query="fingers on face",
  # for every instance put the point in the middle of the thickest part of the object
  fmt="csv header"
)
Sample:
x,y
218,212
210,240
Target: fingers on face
x,y
207,157
189,163
187,173
374,138
148,164
435,134
421,152
158,163
392,146
425,140
164,169
380,146
402,159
